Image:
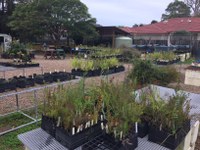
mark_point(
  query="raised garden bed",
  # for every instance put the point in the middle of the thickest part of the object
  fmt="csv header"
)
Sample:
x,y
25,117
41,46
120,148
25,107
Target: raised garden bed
x,y
97,72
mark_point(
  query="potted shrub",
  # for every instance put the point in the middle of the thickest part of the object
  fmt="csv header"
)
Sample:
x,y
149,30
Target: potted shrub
x,y
76,64
96,68
121,113
76,115
87,67
169,120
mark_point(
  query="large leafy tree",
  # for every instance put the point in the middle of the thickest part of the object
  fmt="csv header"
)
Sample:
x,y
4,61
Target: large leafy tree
x,y
53,18
194,6
176,9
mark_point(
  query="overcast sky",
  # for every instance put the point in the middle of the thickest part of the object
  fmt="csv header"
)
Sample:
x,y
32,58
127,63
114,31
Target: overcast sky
x,y
126,12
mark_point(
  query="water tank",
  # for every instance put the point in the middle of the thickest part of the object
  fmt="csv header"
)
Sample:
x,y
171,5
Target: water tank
x,y
123,41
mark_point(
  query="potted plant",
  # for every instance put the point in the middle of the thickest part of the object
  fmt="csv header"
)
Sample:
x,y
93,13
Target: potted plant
x,y
169,120
121,113
76,64
87,67
76,115
96,68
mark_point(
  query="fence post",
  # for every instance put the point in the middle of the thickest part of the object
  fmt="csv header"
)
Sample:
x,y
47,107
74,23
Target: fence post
x,y
36,105
42,70
23,72
17,101
4,74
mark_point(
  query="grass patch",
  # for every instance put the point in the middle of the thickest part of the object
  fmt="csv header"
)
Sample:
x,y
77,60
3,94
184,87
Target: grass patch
x,y
10,141
12,121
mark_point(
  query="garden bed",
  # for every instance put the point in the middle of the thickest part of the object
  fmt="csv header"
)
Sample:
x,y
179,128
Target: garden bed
x,y
30,81
97,72
166,62
19,65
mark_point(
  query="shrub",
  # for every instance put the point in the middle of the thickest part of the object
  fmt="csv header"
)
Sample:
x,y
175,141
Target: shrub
x,y
144,72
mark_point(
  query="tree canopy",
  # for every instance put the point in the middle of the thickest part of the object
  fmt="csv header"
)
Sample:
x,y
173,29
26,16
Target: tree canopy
x,y
54,18
194,6
176,9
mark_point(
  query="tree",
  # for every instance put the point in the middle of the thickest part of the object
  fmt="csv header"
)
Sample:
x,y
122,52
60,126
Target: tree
x,y
194,6
6,9
154,21
135,25
40,18
176,9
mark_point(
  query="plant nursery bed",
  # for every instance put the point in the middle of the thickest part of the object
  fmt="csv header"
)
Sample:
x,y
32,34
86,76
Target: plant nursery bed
x,y
73,141
20,65
107,142
166,139
65,138
166,62
97,72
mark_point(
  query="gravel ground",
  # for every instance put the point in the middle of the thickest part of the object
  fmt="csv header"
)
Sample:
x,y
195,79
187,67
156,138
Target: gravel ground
x,y
26,100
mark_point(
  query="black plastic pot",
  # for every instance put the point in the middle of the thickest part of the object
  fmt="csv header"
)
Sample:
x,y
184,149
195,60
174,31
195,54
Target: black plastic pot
x,y
48,78
77,72
21,81
73,141
49,125
166,139
143,129
3,85
97,72
12,84
119,69
30,81
39,79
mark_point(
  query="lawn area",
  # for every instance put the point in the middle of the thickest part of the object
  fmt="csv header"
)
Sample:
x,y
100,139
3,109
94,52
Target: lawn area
x,y
10,140
14,120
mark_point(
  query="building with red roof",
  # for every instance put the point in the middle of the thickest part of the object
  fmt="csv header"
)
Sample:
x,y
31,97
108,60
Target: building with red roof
x,y
161,32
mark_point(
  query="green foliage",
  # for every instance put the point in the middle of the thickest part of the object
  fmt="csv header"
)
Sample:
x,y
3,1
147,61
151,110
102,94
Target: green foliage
x,y
162,56
144,72
176,9
129,54
120,108
10,140
72,104
113,62
167,115
76,63
87,65
53,17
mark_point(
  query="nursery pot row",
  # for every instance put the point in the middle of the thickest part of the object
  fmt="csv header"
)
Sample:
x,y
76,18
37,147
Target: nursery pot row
x,y
97,72
66,138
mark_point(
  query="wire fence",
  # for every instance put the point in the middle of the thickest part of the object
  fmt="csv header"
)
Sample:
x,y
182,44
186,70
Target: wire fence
x,y
27,103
